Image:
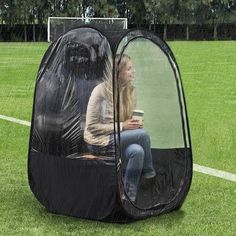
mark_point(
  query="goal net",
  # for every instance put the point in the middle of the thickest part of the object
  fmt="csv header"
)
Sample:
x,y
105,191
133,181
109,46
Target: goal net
x,y
59,25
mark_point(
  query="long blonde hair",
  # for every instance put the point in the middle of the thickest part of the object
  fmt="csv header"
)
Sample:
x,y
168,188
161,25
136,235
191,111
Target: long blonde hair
x,y
127,98
126,89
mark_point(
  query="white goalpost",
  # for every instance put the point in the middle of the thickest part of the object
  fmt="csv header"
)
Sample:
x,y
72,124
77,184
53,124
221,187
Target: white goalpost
x,y
59,25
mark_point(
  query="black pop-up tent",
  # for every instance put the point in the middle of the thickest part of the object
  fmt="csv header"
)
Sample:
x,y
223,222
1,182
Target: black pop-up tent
x,y
65,176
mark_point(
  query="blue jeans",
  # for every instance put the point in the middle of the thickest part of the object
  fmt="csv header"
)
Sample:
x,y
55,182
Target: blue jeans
x,y
136,149
136,152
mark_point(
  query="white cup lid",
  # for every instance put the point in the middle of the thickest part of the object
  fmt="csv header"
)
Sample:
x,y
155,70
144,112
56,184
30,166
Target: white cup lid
x,y
139,111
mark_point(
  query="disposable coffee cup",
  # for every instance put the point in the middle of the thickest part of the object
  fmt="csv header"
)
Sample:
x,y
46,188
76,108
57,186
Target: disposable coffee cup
x,y
138,115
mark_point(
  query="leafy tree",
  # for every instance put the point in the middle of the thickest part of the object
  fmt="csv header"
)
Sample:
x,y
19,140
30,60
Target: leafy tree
x,y
121,7
133,10
74,8
105,8
8,11
3,11
22,14
201,11
166,14
220,11
93,8
151,12
136,12
233,12
40,13
184,13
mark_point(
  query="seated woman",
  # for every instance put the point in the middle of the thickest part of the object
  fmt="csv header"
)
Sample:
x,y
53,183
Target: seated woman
x,y
99,127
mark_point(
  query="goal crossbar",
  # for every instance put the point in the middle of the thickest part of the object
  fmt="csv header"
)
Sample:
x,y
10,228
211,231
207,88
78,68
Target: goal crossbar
x,y
84,21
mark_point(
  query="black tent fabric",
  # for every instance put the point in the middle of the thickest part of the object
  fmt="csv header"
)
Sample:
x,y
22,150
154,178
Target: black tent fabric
x,y
70,176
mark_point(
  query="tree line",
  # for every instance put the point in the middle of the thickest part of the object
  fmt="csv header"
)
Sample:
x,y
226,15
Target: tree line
x,y
148,13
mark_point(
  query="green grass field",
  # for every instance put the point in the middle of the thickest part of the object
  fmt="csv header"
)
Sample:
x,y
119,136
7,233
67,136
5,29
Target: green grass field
x,y
208,72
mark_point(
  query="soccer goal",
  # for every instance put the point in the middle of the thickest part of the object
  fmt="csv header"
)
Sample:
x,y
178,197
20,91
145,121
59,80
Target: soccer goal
x,y
59,25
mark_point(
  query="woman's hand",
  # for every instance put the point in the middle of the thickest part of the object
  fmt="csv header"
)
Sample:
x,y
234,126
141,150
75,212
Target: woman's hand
x,y
131,124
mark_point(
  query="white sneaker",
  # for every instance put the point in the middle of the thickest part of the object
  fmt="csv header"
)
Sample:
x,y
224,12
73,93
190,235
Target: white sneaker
x,y
149,174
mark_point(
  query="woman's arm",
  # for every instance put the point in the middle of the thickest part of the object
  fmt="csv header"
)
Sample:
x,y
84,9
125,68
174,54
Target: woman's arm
x,y
99,117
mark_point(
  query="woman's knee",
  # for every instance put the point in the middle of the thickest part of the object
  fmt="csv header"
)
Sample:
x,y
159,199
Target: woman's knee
x,y
135,151
142,134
